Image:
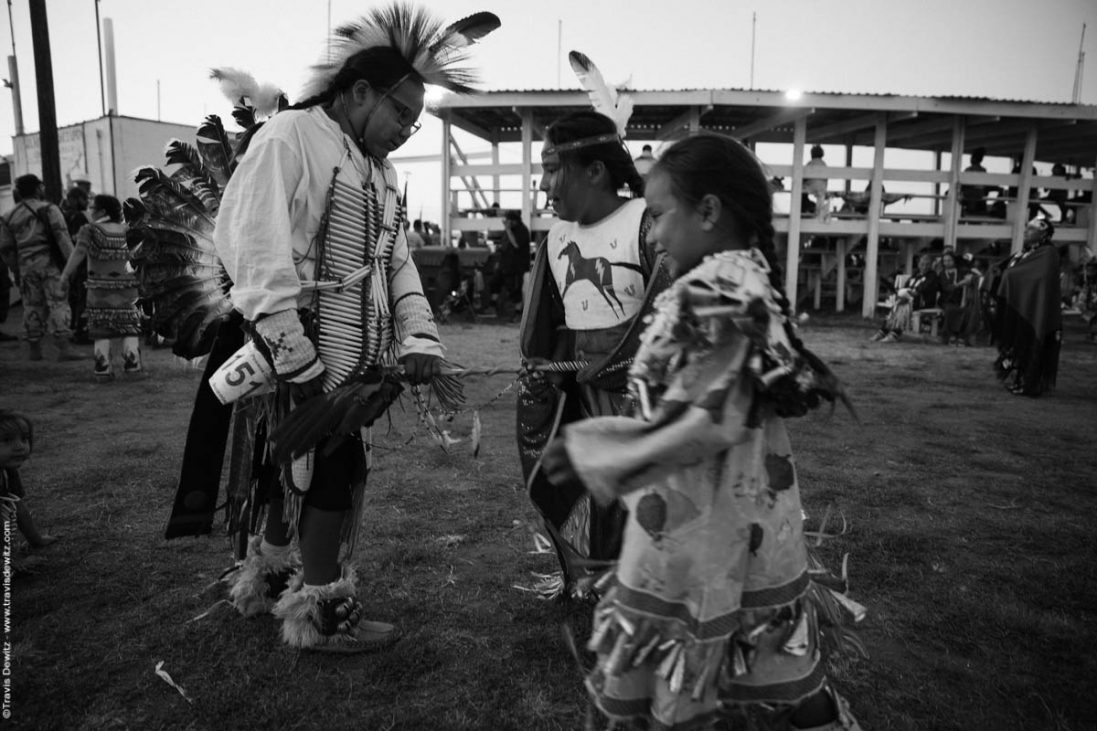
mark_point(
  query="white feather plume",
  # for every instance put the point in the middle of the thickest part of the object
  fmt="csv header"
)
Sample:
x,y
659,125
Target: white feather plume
x,y
235,84
241,87
267,99
603,97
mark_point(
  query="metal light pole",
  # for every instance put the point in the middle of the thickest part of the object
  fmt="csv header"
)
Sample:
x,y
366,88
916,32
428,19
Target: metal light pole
x,y
99,42
47,112
13,82
753,28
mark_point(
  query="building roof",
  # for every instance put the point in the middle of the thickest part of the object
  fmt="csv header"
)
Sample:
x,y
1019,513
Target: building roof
x,y
1066,133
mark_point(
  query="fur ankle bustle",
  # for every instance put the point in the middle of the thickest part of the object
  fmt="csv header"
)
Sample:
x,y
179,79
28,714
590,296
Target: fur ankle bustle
x,y
262,577
319,615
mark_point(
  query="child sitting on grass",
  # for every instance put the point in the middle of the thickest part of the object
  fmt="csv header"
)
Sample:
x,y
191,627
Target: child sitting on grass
x,y
16,442
712,610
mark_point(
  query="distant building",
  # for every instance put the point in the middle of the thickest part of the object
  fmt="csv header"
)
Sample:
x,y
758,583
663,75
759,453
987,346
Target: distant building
x,y
6,184
107,150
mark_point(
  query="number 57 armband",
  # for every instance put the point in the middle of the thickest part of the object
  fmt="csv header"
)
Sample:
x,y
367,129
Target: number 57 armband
x,y
245,374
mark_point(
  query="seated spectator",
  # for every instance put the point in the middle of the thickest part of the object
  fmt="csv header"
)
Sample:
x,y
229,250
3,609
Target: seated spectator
x,y
1086,299
960,301
859,202
920,292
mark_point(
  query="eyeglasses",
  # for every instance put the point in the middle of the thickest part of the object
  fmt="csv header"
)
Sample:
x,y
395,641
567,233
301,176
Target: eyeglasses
x,y
404,115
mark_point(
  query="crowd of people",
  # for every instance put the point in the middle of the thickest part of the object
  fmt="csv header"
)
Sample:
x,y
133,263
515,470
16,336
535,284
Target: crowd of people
x,y
661,360
1014,303
71,264
955,285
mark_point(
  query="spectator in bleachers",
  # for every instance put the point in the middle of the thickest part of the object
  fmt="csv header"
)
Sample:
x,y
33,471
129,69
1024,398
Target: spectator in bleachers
x,y
1059,196
973,197
815,183
418,227
644,161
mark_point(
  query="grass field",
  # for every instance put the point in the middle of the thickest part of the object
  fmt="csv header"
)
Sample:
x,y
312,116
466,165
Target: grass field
x,y
971,540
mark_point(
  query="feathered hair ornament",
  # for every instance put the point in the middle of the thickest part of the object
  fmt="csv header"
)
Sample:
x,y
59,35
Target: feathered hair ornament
x,y
605,100
242,89
437,54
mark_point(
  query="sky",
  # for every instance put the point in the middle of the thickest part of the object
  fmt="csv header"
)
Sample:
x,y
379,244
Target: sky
x,y
1004,49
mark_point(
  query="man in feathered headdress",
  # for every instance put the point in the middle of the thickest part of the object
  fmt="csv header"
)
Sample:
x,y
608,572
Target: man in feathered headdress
x,y
286,222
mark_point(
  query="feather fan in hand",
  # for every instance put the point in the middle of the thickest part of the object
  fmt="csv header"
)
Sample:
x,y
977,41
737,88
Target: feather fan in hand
x,y
335,415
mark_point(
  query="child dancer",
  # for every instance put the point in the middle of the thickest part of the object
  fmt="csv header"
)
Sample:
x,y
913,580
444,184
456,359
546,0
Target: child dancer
x,y
16,442
711,609
593,279
112,287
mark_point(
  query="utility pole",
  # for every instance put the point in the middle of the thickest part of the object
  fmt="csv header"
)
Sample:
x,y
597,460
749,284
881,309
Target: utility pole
x,y
559,51
753,29
13,82
47,112
1077,96
99,43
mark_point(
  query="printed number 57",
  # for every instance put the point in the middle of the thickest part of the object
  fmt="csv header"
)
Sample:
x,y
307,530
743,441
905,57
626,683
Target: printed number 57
x,y
241,373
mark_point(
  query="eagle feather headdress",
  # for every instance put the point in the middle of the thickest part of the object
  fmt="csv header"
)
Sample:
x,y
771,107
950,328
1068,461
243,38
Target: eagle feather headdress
x,y
606,101
437,54
603,97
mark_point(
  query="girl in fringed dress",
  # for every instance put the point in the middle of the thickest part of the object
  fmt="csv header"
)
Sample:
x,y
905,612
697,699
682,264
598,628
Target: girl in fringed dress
x,y
711,611
112,287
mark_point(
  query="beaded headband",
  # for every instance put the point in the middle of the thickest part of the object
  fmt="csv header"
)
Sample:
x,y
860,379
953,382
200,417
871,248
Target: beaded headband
x,y
584,142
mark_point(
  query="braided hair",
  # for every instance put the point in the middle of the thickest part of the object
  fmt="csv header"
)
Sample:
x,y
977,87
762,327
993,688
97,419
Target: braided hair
x,y
613,154
712,164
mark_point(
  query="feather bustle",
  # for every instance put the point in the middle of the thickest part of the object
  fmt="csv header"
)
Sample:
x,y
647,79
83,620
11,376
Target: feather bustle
x,y
172,199
214,146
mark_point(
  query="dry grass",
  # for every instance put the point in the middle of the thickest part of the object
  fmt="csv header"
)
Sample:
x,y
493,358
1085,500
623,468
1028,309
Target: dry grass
x,y
969,537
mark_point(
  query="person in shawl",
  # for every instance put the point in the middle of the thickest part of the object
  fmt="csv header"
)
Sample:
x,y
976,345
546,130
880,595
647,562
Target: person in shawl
x,y
592,277
286,221
1028,316
711,608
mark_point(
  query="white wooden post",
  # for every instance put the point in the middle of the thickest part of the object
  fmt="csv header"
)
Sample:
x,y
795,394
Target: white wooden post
x,y
952,205
875,208
937,158
1020,214
527,167
1091,227
447,203
792,258
840,293
495,161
